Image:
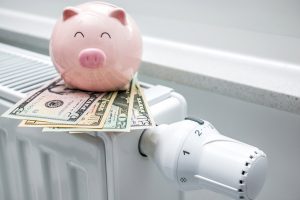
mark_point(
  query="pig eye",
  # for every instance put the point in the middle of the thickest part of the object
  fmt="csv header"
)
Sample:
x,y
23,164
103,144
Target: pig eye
x,y
105,33
80,33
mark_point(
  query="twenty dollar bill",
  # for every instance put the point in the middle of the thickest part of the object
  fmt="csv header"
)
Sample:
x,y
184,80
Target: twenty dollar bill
x,y
141,116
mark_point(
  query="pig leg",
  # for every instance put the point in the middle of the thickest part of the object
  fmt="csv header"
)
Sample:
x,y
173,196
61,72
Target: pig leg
x,y
69,86
125,87
66,81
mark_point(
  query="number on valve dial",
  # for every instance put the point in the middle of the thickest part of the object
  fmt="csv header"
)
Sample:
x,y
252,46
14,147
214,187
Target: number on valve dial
x,y
197,132
183,179
186,152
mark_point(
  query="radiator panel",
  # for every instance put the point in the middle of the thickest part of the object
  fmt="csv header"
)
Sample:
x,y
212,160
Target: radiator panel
x,y
57,166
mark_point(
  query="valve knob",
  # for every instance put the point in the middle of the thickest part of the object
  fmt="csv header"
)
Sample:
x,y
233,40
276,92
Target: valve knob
x,y
194,155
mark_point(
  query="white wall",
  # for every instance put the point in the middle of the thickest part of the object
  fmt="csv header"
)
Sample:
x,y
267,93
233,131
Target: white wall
x,y
264,16
245,27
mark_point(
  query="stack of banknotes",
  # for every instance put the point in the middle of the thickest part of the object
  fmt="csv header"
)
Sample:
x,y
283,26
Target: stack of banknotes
x,y
59,108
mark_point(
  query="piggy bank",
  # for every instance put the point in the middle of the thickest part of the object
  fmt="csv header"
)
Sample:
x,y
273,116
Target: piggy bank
x,y
96,46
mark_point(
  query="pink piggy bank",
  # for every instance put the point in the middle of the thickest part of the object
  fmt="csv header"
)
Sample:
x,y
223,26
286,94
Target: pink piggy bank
x,y
96,46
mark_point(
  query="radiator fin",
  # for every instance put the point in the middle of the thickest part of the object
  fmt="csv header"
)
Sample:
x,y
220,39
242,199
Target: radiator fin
x,y
4,173
23,73
50,176
24,155
78,182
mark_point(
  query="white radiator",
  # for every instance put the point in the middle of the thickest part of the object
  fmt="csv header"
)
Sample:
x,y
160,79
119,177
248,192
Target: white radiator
x,y
189,154
60,166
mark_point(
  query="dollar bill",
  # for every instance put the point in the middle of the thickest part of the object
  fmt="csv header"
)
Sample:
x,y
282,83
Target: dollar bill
x,y
118,119
141,116
95,118
55,103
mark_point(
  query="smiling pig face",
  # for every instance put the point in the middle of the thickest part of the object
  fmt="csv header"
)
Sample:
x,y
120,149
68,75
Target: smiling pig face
x,y
96,46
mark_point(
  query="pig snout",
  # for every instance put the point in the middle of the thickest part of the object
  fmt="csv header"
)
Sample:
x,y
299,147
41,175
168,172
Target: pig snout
x,y
92,58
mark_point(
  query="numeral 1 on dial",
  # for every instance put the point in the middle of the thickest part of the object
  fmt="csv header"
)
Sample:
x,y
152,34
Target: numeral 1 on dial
x,y
186,152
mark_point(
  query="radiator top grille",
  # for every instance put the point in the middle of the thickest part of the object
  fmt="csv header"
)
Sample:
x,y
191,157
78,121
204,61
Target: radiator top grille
x,y
24,73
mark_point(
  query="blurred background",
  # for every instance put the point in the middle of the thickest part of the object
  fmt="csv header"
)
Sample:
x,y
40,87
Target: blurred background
x,y
217,24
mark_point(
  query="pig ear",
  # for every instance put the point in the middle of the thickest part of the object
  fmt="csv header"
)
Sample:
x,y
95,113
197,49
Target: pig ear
x,y
69,12
120,15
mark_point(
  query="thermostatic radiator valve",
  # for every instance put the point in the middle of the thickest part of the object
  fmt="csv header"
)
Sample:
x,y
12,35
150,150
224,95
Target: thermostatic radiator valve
x,y
194,155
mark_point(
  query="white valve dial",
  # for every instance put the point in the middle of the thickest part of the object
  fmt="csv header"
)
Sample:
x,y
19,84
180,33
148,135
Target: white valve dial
x,y
194,155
